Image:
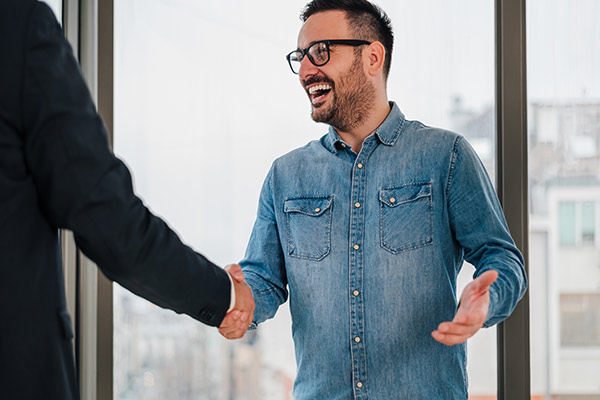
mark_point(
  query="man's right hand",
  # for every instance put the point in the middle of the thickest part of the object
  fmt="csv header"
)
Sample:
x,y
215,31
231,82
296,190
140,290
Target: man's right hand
x,y
236,322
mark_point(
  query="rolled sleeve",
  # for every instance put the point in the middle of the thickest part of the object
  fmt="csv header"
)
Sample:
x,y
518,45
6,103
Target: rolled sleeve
x,y
264,264
481,229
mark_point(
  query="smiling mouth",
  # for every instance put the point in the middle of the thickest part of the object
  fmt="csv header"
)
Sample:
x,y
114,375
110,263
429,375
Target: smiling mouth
x,y
318,93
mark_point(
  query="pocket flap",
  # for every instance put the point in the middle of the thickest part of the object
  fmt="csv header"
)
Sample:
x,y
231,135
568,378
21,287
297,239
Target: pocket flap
x,y
404,194
313,206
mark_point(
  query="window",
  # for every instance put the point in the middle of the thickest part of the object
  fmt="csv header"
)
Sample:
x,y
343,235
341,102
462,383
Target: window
x,y
199,118
564,253
588,222
580,320
576,223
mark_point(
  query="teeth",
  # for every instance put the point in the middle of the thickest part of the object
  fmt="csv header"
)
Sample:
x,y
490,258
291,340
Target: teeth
x,y
313,89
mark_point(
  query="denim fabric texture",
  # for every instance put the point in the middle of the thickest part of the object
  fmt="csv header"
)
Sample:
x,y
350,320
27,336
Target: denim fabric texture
x,y
369,247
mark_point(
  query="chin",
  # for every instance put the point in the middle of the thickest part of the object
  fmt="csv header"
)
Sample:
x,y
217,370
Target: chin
x,y
320,114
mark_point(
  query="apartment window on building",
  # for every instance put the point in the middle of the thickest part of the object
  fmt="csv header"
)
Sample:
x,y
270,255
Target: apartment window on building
x,y
576,223
580,320
588,222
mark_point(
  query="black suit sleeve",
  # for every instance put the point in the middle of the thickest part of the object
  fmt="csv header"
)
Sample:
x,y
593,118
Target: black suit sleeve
x,y
82,186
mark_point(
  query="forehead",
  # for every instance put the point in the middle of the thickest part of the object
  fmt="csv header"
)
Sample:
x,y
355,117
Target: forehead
x,y
323,25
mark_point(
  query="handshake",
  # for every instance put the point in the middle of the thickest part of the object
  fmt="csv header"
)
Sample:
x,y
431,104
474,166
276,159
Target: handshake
x,y
236,322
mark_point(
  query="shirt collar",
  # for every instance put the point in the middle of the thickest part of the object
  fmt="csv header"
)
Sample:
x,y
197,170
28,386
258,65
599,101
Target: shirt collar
x,y
387,132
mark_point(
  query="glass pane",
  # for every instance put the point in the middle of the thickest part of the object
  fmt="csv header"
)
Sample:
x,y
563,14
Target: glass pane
x,y
564,180
200,130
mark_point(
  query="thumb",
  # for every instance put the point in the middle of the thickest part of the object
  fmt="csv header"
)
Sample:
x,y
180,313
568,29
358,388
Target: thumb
x,y
485,280
236,272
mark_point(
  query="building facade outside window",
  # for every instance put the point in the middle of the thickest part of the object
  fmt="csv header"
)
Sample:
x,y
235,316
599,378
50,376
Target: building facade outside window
x,y
564,184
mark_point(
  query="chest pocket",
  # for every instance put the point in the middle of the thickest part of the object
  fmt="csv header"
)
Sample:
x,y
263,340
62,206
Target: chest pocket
x,y
308,228
406,218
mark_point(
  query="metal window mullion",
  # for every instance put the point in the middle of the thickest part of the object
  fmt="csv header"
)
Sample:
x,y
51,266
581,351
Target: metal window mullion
x,y
95,302
512,183
87,324
104,375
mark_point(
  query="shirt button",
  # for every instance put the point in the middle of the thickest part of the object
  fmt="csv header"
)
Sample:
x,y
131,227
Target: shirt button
x,y
357,339
344,145
357,204
317,209
359,384
356,293
393,200
356,247
359,165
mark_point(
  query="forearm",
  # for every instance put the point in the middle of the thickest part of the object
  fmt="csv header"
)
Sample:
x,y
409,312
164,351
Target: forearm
x,y
83,187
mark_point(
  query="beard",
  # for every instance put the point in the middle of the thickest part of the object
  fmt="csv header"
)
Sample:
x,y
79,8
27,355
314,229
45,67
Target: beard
x,y
352,99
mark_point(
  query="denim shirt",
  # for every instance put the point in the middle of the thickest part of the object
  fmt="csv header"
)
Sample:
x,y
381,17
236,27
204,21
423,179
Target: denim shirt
x,y
369,246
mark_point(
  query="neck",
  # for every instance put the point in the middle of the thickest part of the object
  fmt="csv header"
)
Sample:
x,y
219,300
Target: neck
x,y
355,136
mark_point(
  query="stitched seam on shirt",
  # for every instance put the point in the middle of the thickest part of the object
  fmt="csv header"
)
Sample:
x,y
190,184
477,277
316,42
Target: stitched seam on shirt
x,y
328,212
270,177
452,164
386,245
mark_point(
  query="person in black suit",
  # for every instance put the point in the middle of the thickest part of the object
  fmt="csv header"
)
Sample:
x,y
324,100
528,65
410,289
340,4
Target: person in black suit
x,y
57,171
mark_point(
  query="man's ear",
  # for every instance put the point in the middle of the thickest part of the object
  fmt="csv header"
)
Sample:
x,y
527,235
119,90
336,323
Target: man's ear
x,y
376,55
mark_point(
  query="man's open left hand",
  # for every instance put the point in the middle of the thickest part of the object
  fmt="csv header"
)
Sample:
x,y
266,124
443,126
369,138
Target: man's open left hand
x,y
471,314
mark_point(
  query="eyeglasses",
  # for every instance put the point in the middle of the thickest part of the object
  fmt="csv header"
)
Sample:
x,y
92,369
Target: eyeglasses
x,y
318,52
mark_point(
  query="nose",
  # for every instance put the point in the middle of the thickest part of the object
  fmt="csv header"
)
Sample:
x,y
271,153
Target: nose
x,y
307,69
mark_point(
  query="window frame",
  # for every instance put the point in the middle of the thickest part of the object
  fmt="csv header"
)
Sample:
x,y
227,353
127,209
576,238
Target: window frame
x,y
88,26
512,185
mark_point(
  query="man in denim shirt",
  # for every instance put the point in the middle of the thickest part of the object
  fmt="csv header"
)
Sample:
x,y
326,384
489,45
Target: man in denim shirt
x,y
368,227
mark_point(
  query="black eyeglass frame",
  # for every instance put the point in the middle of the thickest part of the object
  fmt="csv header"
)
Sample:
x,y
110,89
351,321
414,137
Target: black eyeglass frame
x,y
305,52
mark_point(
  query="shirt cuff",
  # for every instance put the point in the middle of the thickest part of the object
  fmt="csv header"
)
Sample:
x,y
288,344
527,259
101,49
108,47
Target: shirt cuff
x,y
232,301
492,318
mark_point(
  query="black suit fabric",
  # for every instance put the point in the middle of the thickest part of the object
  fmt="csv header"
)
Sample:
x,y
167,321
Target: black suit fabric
x,y
57,171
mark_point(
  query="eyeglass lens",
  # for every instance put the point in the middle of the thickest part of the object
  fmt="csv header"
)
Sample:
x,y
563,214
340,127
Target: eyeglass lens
x,y
318,54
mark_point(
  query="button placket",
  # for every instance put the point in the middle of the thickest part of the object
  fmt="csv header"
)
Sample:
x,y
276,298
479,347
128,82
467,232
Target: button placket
x,y
357,312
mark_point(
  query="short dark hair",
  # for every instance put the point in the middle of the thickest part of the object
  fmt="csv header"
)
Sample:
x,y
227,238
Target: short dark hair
x,y
367,22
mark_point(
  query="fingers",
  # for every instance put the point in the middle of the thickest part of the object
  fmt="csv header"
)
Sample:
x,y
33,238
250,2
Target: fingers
x,y
449,339
451,333
453,328
232,333
236,272
234,325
